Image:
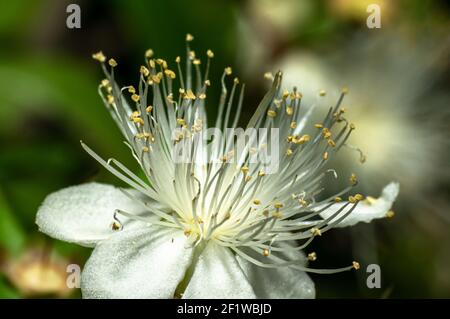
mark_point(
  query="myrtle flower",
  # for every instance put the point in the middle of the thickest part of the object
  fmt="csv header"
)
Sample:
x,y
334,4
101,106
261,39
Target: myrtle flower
x,y
217,225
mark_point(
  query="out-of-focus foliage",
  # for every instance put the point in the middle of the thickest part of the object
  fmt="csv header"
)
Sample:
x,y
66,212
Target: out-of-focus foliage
x,y
49,102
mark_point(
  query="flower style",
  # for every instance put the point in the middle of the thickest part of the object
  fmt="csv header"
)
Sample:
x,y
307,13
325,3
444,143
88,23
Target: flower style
x,y
217,225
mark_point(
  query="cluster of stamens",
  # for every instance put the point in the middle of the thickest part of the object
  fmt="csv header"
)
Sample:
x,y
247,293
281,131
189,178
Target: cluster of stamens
x,y
235,203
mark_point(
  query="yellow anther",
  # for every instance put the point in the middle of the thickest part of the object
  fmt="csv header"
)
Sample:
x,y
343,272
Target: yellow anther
x,y
99,56
156,78
187,232
144,71
248,178
244,169
196,62
151,63
277,214
322,93
352,126
261,173
170,73
256,201
110,99
390,214
266,253
271,113
289,110
144,135
149,53
236,81
316,231
356,265
202,96
189,37
352,199
116,225
312,256
135,114
293,125
303,202
325,156
138,120
305,138
331,143
104,83
210,54
145,149
353,179
207,83
149,108
344,90
268,75
177,59
112,63
278,205
228,70
189,95
289,152
192,54
131,89
326,133
338,199
181,122
359,197
285,94
318,125
135,98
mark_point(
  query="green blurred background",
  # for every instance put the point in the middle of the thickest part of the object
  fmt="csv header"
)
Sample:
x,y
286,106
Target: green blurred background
x,y
49,102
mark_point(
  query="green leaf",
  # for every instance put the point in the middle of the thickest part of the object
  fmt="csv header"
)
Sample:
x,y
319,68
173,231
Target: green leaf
x,y
12,237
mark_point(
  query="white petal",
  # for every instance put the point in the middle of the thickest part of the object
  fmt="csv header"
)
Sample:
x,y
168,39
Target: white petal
x,y
83,214
365,211
283,282
217,275
148,262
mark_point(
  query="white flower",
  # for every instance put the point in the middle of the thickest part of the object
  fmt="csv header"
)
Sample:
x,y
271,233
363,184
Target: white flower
x,y
211,227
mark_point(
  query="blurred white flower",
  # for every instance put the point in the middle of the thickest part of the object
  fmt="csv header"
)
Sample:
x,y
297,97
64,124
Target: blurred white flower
x,y
264,25
400,121
210,227
37,272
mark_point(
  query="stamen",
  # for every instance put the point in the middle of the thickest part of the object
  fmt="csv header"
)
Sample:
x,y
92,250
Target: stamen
x,y
216,200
